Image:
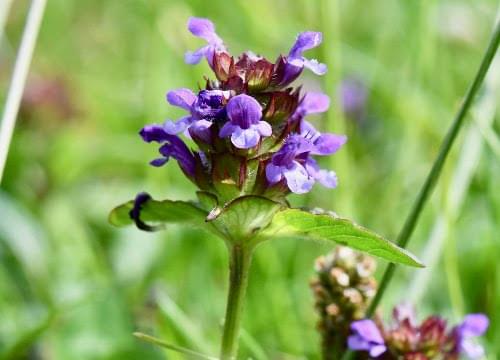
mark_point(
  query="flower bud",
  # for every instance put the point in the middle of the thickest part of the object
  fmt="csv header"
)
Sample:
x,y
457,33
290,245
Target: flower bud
x,y
342,294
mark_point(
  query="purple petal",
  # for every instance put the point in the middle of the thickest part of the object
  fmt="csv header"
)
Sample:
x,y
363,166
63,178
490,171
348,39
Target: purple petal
x,y
194,57
377,350
174,128
273,173
315,66
326,178
204,29
356,342
368,331
471,349
201,130
177,149
308,131
227,129
153,132
209,104
243,110
183,98
159,162
314,102
245,138
263,128
297,179
305,41
327,144
474,325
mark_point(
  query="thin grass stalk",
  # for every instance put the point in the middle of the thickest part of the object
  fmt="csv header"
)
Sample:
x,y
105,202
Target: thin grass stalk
x,y
18,81
467,164
187,352
431,180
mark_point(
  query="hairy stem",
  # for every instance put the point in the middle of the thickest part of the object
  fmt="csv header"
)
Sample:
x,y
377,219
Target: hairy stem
x,y
240,258
433,176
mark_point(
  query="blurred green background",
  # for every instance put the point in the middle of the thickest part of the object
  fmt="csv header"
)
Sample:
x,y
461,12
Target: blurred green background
x,y
73,287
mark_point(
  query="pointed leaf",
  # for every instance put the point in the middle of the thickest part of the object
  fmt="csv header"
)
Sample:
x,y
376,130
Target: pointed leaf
x,y
303,224
166,211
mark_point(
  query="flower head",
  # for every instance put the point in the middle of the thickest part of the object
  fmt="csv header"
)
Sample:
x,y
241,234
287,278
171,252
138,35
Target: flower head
x,y
250,130
427,340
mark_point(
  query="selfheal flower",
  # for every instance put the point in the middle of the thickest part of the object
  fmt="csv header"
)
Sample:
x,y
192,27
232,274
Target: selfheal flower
x,y
472,326
366,337
172,146
305,41
204,29
244,125
311,103
289,164
289,68
207,105
294,163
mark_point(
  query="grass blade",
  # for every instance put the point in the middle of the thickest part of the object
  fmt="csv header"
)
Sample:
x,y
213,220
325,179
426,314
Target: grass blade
x,y
179,349
18,81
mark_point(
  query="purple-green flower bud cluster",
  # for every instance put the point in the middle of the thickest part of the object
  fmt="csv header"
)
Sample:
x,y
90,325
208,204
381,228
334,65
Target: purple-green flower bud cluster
x,y
406,339
343,287
248,123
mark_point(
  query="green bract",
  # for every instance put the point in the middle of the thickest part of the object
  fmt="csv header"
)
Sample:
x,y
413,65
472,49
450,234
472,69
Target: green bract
x,y
251,219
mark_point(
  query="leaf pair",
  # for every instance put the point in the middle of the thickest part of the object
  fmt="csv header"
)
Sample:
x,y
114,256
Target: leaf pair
x,y
254,219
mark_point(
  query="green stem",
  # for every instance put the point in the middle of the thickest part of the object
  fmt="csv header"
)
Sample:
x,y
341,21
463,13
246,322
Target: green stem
x,y
240,258
433,176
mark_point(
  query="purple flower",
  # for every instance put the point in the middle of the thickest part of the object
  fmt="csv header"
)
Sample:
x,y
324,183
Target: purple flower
x,y
208,105
311,103
172,146
366,336
305,41
294,164
472,326
244,125
290,67
204,29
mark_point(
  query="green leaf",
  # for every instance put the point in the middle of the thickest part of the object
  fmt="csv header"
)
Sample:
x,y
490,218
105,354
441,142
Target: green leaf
x,y
243,217
303,224
163,212
207,200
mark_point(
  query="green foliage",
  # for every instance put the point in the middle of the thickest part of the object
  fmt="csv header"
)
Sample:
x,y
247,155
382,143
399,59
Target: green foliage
x,y
117,60
165,212
244,217
303,224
